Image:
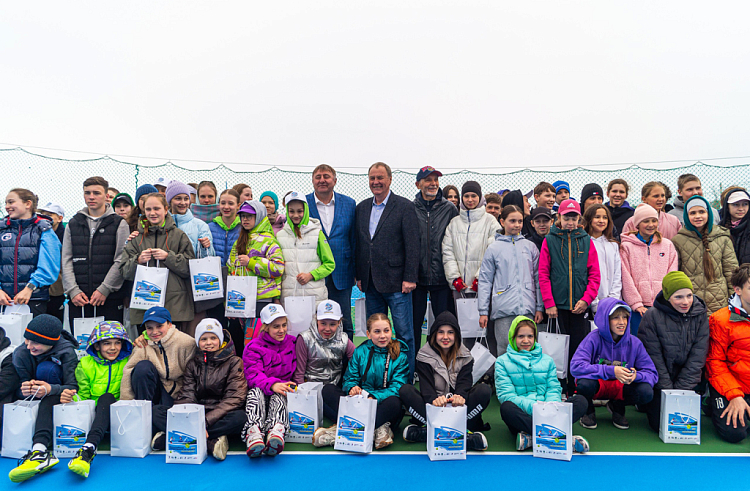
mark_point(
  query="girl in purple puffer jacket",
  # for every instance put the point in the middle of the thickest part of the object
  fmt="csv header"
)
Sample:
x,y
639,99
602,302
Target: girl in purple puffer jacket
x,y
270,361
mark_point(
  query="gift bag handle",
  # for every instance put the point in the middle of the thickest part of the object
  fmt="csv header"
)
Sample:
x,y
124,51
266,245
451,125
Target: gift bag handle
x,y
121,427
238,266
31,397
83,312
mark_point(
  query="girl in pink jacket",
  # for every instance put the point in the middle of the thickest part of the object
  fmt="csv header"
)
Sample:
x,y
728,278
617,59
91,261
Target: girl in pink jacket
x,y
654,195
646,258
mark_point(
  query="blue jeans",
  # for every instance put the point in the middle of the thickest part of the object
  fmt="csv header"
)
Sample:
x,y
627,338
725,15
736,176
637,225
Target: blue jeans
x,y
401,313
635,322
344,299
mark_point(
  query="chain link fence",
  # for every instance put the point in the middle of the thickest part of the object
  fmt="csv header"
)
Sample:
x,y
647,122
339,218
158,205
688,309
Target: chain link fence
x,y
60,180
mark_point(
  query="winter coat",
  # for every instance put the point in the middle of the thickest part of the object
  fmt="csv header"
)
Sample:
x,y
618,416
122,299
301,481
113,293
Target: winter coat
x,y
677,343
95,374
62,353
610,269
268,361
266,257
170,357
679,211
216,380
433,221
728,362
525,377
277,222
466,239
307,254
668,226
568,269
435,378
322,360
509,278
620,215
195,229
598,353
740,233
224,237
643,268
8,376
179,294
367,370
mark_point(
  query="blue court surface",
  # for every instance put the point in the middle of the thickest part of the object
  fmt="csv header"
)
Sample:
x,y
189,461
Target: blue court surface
x,y
412,471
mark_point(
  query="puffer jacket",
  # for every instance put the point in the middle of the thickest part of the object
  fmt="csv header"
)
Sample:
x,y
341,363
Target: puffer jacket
x,y
195,229
63,353
690,252
95,374
509,278
668,226
322,360
610,269
525,377
740,232
466,239
216,380
568,268
367,370
179,294
224,237
643,268
432,225
620,214
268,361
677,343
728,361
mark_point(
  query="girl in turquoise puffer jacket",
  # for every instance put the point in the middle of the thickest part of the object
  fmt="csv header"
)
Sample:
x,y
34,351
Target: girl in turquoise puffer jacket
x,y
524,375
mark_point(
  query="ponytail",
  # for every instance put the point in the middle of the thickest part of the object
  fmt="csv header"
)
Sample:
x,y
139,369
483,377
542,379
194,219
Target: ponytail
x,y
708,262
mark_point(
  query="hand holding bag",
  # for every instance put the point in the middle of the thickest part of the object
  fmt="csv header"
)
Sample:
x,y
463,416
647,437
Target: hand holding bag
x,y
130,428
305,406
205,277
556,345
72,425
149,287
446,432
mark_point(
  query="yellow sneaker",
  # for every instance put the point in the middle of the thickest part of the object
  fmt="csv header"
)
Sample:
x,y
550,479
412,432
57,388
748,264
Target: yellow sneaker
x,y
33,463
81,463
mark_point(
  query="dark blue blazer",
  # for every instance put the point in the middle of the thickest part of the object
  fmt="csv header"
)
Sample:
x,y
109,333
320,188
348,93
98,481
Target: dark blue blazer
x,y
341,239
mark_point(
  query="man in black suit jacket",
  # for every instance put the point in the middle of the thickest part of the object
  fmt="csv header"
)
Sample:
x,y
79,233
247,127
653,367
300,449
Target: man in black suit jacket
x,y
387,255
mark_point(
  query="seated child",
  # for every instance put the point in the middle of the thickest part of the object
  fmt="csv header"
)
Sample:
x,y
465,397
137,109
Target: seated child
x,y
8,375
379,366
99,375
270,361
46,366
524,375
213,378
154,372
610,363
444,366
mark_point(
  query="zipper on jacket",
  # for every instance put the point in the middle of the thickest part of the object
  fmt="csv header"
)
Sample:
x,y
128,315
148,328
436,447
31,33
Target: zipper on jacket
x,y
88,259
205,370
109,377
15,263
166,360
570,272
466,251
429,256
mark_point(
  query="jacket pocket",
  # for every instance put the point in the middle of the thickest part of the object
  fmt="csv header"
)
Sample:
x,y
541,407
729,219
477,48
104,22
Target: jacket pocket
x,y
395,262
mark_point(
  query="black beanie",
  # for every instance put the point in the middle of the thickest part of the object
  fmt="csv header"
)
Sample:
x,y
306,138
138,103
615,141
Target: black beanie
x,y
471,187
590,190
445,318
44,329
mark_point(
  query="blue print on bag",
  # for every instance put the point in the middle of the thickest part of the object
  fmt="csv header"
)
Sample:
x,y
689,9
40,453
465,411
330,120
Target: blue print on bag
x,y
236,300
550,437
182,443
205,282
684,424
448,438
351,429
147,291
301,423
70,436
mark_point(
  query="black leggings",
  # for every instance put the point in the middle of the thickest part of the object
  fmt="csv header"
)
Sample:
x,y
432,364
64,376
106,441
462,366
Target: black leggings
x,y
577,326
517,420
477,401
389,410
100,426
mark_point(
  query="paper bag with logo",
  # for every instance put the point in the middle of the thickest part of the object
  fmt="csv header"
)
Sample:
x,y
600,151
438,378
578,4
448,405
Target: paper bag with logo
x,y
680,420
242,292
553,430
82,329
355,426
149,287
186,434
446,432
305,406
72,423
205,278
130,428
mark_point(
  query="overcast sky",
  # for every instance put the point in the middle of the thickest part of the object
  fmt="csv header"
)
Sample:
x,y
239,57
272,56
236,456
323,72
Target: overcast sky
x,y
455,84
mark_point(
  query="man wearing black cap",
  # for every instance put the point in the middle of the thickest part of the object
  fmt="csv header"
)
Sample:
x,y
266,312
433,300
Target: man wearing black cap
x,y
592,194
434,213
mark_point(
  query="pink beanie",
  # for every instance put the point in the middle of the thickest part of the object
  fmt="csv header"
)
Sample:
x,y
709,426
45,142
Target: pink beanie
x,y
642,212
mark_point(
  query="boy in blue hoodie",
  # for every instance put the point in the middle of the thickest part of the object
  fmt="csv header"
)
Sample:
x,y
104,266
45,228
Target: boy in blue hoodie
x,y
612,364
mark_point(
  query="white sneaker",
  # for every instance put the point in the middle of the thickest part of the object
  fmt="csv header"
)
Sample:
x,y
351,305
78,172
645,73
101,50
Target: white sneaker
x,y
383,436
254,442
324,437
275,440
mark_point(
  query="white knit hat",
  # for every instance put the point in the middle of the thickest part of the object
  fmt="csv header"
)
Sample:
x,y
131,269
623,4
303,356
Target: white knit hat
x,y
209,325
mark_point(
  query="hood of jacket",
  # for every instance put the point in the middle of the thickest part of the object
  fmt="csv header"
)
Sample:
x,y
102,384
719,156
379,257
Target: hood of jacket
x,y
168,225
697,309
260,211
4,339
337,336
445,319
686,220
501,237
225,352
305,217
109,330
482,204
514,198
514,327
218,221
66,341
601,319
678,203
633,239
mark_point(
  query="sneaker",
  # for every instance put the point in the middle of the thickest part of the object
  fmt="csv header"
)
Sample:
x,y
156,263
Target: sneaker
x,y
254,442
275,440
580,445
81,463
33,463
383,436
588,421
523,441
476,441
618,420
159,442
221,446
415,434
324,437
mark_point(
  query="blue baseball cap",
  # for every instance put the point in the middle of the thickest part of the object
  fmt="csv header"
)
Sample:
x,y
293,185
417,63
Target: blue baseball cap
x,y
157,314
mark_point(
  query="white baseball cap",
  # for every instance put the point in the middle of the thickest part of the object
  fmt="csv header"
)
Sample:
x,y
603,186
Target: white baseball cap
x,y
328,309
294,196
53,208
271,312
162,181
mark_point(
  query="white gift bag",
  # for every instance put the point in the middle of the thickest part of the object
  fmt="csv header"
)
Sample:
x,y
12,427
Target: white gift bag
x,y
299,312
553,430
19,423
305,406
467,312
72,423
14,320
186,434
149,287
556,345
82,329
360,317
428,320
680,420
483,360
242,291
446,432
130,428
206,278
355,427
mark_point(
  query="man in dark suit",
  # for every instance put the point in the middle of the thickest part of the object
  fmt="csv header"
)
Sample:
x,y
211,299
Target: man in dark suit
x,y
387,254
336,214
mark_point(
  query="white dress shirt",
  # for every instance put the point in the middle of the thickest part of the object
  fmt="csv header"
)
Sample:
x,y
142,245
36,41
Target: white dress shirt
x,y
325,212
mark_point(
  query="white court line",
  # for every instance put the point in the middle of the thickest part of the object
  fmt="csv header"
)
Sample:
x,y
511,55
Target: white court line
x,y
520,454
